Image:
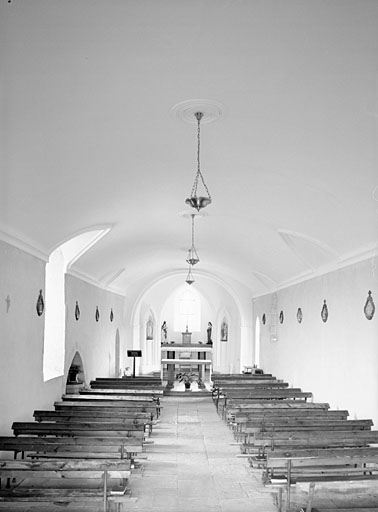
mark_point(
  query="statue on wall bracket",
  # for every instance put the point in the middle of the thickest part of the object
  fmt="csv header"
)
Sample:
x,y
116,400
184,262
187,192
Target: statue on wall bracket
x,y
149,329
224,331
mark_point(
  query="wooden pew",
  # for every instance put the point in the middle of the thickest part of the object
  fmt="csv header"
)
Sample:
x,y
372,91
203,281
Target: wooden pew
x,y
240,421
114,401
58,472
72,447
78,429
243,379
321,465
242,405
249,430
126,383
259,406
266,393
308,439
135,381
244,415
139,418
282,424
98,414
112,408
79,415
261,394
241,376
256,384
140,392
141,400
221,387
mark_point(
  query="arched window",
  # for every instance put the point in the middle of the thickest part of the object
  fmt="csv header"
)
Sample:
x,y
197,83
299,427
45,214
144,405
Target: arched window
x,y
55,316
55,313
188,311
257,343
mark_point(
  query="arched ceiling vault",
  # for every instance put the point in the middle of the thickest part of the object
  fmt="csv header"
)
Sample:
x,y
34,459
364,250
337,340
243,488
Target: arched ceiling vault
x,y
88,136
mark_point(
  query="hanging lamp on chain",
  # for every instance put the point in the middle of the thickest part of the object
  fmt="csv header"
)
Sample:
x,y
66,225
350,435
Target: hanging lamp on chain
x,y
195,200
189,278
192,258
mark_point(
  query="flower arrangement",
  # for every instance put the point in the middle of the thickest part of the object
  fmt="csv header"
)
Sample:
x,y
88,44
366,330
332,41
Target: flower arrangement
x,y
187,378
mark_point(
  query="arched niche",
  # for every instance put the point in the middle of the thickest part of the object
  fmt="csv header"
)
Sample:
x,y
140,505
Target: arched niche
x,y
75,375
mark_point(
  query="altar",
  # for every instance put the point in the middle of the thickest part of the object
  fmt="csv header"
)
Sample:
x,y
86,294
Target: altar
x,y
183,357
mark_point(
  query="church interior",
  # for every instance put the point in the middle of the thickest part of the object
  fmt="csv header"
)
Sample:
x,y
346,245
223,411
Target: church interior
x,y
189,191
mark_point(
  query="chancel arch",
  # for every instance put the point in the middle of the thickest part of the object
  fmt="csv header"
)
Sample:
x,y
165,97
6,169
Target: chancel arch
x,y
217,301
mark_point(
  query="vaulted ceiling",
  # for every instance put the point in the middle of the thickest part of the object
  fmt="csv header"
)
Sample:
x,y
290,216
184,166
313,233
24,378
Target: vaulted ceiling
x,y
92,136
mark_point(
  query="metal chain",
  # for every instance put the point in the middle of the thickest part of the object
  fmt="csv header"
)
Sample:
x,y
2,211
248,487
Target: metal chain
x,y
199,116
192,230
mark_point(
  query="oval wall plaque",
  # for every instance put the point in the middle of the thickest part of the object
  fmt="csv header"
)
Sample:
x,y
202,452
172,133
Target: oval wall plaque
x,y
77,311
40,304
369,308
324,313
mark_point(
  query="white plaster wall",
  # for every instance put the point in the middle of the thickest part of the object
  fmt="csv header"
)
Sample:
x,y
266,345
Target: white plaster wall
x,y
336,360
95,341
22,389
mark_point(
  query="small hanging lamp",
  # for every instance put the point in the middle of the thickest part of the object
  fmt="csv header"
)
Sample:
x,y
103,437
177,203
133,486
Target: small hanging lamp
x,y
189,278
192,258
194,200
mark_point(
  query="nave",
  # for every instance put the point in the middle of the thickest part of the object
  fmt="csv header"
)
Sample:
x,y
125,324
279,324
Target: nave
x,y
191,459
192,465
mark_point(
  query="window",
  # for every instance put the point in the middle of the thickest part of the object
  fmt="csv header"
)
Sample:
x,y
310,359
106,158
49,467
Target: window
x,y
55,313
188,312
257,342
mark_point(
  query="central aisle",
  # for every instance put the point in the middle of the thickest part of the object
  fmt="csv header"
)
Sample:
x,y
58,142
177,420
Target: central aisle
x,y
193,466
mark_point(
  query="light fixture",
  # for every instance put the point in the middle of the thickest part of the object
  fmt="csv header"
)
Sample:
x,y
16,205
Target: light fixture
x,y
189,278
192,258
194,200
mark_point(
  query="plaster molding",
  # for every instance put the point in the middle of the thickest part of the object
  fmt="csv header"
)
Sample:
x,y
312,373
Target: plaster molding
x,y
94,282
347,260
21,242
370,251
290,238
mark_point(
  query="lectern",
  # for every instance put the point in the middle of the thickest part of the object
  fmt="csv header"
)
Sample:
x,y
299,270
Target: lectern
x,y
134,354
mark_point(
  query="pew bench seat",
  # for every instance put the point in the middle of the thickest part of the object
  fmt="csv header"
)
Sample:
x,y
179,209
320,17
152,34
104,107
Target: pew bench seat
x,y
72,447
140,392
59,416
56,482
250,428
321,466
113,409
262,442
68,429
267,406
98,415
